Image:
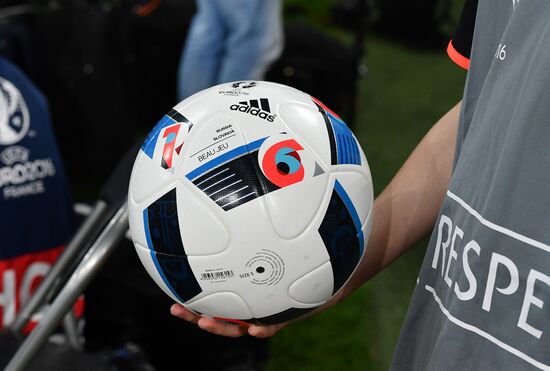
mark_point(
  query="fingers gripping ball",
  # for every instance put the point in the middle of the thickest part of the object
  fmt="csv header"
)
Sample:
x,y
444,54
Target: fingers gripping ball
x,y
250,202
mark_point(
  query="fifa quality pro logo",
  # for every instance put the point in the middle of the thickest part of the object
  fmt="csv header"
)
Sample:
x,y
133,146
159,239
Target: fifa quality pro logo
x,y
255,107
14,114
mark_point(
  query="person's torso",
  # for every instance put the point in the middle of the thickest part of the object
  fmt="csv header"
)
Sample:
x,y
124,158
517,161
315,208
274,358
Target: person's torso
x,y
482,300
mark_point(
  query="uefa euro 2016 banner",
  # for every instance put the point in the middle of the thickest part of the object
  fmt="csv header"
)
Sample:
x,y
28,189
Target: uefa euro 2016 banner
x,y
35,206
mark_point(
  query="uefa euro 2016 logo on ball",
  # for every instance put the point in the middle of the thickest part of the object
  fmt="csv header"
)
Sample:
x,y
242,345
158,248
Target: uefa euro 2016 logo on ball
x,y
251,202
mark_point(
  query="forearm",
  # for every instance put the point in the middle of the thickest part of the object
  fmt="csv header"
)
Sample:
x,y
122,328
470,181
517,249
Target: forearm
x,y
406,210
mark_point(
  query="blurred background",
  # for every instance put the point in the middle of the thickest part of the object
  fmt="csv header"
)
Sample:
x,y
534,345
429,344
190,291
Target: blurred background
x,y
108,70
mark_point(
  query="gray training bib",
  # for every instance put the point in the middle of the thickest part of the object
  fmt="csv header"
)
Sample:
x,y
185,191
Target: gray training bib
x,y
482,300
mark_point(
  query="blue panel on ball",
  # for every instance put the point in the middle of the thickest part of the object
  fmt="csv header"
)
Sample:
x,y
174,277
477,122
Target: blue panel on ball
x,y
162,230
346,145
236,182
343,146
342,235
234,178
234,153
148,146
352,212
150,142
177,275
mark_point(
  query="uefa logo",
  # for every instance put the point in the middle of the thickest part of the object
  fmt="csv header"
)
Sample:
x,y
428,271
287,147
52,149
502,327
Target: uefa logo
x,y
14,114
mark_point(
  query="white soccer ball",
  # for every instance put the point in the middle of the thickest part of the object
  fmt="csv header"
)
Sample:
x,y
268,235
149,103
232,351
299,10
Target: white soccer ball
x,y
250,201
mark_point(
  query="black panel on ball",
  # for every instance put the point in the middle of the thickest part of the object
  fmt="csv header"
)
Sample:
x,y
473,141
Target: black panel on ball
x,y
341,240
164,238
284,316
178,275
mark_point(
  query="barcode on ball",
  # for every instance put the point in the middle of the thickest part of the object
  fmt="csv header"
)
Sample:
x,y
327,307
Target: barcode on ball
x,y
217,275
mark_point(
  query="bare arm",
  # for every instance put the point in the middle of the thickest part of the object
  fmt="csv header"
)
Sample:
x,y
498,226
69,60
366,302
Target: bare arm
x,y
406,210
404,213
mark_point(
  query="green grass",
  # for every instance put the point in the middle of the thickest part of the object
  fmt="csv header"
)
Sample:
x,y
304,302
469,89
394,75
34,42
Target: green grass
x,y
404,93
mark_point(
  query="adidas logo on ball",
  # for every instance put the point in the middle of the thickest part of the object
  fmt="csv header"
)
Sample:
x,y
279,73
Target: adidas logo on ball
x,y
253,107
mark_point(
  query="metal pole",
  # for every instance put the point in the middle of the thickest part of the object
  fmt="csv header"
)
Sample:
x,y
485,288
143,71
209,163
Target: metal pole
x,y
65,260
89,266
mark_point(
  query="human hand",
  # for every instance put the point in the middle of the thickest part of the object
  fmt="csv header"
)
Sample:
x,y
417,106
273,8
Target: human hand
x,y
224,328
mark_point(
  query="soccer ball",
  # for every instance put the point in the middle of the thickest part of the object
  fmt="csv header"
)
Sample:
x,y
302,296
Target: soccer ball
x,y
250,202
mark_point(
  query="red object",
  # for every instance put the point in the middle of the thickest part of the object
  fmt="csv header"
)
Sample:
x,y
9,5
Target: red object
x,y
325,107
147,8
170,134
19,278
456,57
234,321
269,163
